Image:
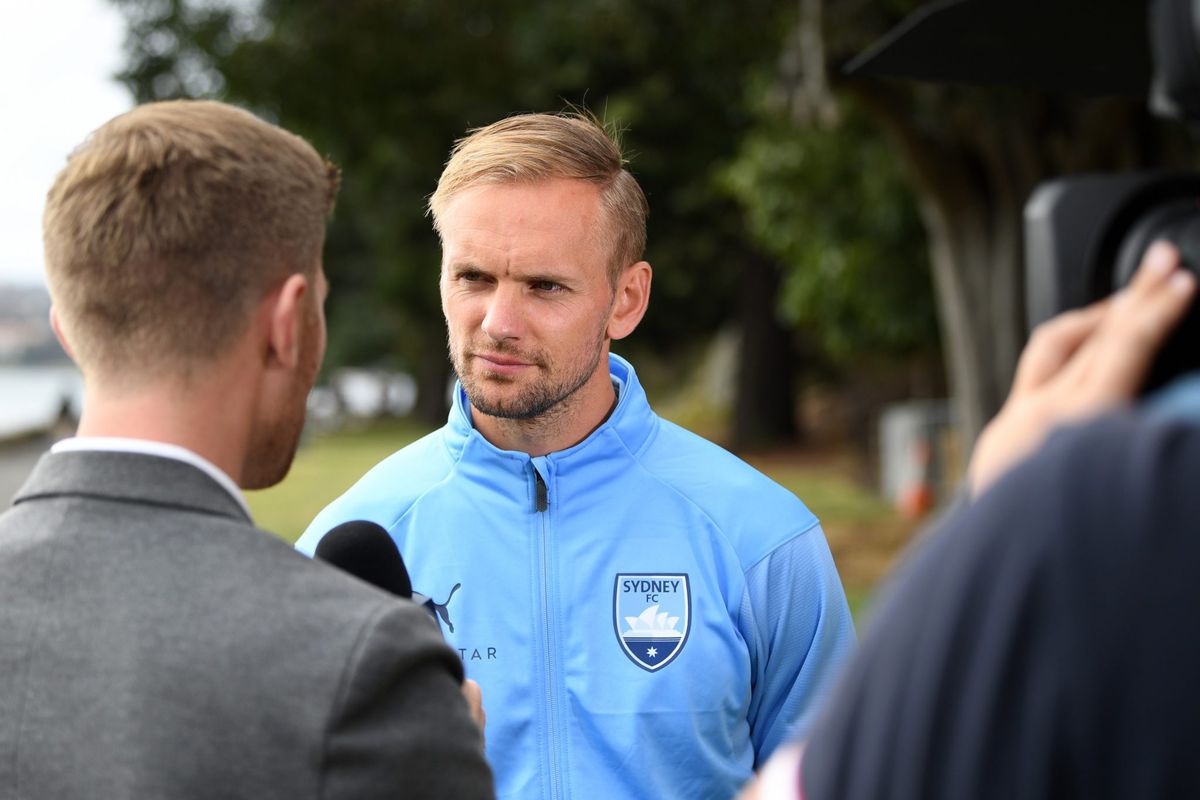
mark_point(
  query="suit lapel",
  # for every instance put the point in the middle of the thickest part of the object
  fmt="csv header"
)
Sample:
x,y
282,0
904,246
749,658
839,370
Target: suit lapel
x,y
129,477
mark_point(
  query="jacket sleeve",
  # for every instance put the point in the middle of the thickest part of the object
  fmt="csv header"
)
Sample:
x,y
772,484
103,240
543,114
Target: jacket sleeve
x,y
800,633
400,726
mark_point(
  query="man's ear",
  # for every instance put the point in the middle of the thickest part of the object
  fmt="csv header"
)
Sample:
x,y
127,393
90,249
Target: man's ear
x,y
57,326
282,313
632,298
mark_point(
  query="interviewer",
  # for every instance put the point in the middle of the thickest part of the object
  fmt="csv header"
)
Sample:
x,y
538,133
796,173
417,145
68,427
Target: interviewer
x,y
153,643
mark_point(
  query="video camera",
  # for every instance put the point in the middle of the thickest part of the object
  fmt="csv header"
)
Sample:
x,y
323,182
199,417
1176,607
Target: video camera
x,y
1085,235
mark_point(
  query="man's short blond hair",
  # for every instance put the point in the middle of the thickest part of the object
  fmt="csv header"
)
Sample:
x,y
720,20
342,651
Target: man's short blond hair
x,y
170,223
529,148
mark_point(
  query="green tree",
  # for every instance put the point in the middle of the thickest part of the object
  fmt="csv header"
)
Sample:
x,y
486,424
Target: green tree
x,y
385,88
829,202
971,156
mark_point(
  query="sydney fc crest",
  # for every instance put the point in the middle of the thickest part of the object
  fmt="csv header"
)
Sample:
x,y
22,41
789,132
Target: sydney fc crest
x,y
652,615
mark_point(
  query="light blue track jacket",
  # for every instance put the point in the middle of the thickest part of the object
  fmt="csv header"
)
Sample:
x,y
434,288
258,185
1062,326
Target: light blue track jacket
x,y
647,615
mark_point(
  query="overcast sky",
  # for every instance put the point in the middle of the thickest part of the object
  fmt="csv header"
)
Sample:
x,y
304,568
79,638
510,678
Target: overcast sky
x,y
57,59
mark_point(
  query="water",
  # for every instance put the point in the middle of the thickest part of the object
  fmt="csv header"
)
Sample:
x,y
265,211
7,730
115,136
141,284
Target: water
x,y
31,398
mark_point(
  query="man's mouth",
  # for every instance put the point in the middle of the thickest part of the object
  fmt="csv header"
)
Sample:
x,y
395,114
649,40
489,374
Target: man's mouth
x,y
501,364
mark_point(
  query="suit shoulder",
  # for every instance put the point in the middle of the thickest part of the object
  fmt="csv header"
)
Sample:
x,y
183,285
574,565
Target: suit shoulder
x,y
336,608
269,567
400,718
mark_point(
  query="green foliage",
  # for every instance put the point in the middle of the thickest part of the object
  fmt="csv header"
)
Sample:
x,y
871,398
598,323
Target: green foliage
x,y
831,205
384,88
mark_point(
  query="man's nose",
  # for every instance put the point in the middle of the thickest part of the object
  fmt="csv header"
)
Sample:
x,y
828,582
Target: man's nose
x,y
505,314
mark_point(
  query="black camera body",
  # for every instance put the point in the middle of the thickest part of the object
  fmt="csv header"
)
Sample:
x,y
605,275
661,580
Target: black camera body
x,y
1085,235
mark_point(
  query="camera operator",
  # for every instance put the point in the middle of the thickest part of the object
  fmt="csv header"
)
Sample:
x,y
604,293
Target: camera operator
x,y
1038,644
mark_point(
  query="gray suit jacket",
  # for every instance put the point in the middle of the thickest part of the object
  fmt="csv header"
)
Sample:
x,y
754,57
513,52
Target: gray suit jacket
x,y
154,644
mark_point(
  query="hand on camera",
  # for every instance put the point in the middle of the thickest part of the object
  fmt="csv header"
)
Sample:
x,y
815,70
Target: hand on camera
x,y
1084,362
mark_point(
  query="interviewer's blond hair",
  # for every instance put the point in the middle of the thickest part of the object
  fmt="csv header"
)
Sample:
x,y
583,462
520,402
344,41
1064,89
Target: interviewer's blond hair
x,y
535,147
168,225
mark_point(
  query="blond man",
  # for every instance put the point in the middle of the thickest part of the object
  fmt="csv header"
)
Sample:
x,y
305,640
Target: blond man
x,y
153,643
648,616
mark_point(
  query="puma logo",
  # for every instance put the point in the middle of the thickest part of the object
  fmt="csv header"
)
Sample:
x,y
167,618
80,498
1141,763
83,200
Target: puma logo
x,y
441,608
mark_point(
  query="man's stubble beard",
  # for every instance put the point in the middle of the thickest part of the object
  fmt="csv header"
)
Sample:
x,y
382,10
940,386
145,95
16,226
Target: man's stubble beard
x,y
273,446
536,401
274,442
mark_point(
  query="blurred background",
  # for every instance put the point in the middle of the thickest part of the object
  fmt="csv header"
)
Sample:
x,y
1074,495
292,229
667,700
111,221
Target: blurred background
x,y
838,291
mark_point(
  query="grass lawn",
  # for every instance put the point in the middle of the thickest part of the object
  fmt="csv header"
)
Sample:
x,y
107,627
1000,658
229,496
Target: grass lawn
x,y
864,532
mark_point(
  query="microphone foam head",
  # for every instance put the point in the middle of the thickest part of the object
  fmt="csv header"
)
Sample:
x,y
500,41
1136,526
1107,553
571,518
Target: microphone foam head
x,y
366,551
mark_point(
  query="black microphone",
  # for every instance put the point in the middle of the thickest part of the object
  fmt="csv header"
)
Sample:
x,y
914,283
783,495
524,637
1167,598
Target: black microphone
x,y
366,551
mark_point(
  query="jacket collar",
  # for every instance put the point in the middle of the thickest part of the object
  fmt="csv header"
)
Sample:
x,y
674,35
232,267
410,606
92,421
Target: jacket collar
x,y
120,444
130,477
632,422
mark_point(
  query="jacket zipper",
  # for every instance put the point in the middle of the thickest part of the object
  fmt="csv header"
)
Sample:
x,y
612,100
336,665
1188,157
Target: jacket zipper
x,y
542,506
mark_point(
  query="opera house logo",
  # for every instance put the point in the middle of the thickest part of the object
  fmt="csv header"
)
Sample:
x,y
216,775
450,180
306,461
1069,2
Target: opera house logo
x,y
652,617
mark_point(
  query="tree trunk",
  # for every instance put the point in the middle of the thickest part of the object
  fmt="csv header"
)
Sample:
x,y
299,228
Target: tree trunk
x,y
978,275
433,381
764,405
972,172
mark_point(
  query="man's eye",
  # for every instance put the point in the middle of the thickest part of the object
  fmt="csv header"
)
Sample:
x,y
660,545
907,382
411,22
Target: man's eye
x,y
546,286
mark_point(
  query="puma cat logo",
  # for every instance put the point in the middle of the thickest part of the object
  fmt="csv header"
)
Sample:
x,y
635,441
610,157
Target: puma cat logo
x,y
441,608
